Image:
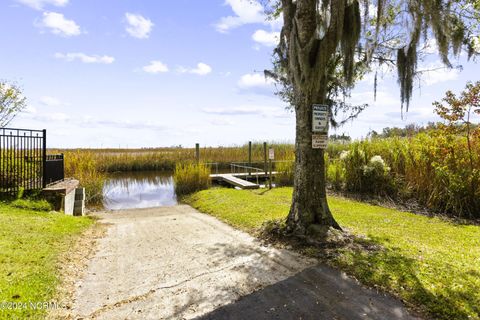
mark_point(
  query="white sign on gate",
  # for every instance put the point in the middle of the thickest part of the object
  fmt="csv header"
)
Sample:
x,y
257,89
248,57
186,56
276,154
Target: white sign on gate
x,y
319,118
319,141
271,154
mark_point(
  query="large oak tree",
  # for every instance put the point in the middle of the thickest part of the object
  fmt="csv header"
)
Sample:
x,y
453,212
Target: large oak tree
x,y
327,45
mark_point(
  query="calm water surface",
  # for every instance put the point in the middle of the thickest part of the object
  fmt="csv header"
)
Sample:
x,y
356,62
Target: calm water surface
x,y
126,190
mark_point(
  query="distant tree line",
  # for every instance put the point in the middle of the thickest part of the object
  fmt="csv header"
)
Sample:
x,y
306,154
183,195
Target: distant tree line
x,y
410,130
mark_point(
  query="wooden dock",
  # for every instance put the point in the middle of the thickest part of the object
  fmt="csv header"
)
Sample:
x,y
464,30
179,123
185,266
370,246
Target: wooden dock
x,y
236,180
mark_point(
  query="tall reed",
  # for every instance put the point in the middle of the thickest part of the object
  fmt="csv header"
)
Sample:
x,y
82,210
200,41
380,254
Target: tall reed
x,y
82,165
190,178
113,160
433,168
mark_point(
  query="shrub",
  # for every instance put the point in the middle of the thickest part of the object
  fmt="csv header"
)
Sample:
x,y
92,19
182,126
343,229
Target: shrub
x,y
190,178
375,178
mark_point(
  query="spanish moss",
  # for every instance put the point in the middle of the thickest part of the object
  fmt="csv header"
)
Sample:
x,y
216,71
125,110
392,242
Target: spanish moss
x,y
352,26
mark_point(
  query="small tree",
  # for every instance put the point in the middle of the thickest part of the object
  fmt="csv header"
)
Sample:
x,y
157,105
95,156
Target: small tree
x,y
12,102
458,112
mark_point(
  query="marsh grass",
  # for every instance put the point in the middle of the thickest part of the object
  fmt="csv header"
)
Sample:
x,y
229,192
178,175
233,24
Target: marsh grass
x,y
83,165
191,177
431,168
285,173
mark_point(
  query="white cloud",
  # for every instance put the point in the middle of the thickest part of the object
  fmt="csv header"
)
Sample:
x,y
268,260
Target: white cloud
x,y
84,57
155,67
383,99
430,46
269,39
437,73
245,110
254,80
221,122
201,69
59,25
92,122
30,109
52,117
50,101
39,4
138,26
246,11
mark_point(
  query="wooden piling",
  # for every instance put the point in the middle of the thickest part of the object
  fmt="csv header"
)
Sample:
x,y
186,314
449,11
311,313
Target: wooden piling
x,y
265,167
270,175
249,157
197,152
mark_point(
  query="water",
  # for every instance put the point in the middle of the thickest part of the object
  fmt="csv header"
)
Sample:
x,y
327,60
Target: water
x,y
126,190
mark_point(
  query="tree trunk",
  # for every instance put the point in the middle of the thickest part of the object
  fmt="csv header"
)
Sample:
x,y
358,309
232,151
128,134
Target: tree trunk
x,y
309,212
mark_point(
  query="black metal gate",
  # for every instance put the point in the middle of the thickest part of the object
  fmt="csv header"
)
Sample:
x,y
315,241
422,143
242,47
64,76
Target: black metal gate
x,y
54,168
24,162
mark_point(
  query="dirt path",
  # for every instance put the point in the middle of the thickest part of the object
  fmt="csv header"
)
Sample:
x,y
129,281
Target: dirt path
x,y
176,263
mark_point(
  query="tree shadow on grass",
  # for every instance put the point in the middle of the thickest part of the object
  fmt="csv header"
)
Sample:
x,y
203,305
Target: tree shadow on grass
x,y
452,296
272,284
388,269
318,292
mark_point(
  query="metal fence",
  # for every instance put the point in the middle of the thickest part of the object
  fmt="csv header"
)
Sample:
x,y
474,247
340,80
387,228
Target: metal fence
x,y
24,162
54,168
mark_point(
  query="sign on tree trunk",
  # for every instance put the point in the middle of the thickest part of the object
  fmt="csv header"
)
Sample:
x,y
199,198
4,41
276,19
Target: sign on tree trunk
x,y
319,118
319,141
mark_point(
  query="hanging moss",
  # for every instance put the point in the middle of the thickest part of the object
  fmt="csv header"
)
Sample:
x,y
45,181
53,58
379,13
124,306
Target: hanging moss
x,y
406,67
365,39
380,9
458,34
352,27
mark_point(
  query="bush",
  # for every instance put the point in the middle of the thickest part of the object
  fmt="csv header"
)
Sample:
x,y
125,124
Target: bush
x,y
190,178
375,178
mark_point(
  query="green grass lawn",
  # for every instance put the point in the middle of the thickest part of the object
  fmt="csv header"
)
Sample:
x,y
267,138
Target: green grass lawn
x,y
30,244
431,264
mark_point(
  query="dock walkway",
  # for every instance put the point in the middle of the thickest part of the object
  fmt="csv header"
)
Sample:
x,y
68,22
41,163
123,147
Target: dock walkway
x,y
239,179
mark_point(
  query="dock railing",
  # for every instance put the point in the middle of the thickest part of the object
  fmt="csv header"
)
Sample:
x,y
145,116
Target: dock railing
x,y
237,168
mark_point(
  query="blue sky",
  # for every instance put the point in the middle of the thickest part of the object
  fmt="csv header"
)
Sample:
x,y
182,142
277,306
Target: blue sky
x,y
138,73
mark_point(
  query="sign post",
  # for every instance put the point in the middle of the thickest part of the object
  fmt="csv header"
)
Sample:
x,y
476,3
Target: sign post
x,y
320,117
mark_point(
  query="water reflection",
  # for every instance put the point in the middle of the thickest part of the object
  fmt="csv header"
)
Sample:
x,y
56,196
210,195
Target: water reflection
x,y
128,190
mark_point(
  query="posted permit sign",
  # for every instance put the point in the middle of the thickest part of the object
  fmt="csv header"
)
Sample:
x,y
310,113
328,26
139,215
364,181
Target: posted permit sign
x,y
271,154
319,141
319,118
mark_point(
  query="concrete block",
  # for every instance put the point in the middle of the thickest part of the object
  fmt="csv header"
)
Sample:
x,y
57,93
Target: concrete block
x,y
69,202
79,208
